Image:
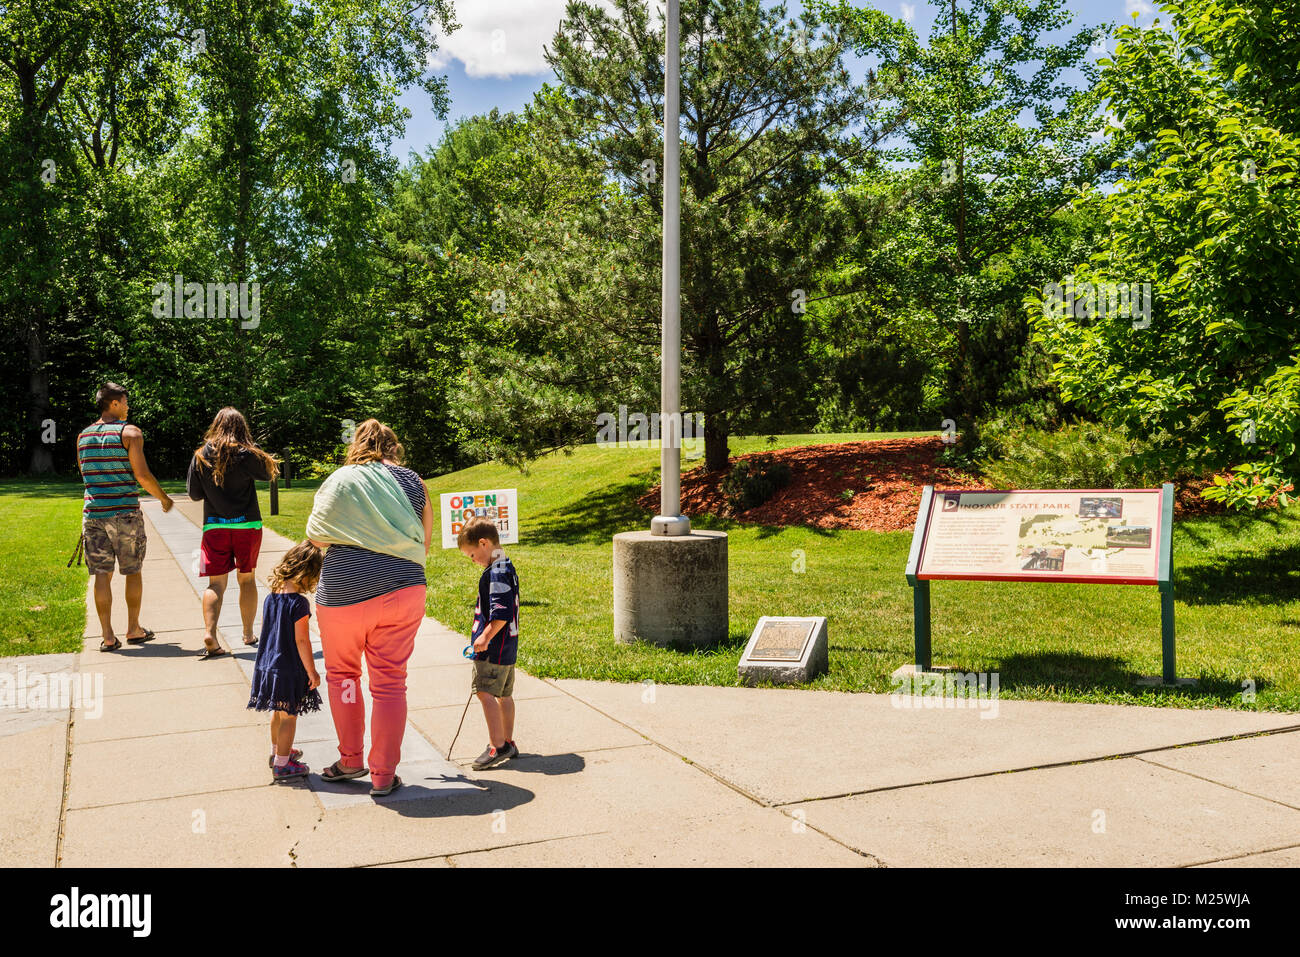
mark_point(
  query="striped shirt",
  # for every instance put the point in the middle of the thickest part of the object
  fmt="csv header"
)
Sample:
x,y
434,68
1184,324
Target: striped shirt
x,y
350,575
106,469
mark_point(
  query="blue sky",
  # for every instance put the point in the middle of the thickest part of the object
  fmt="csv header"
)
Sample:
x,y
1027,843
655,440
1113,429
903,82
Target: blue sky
x,y
495,58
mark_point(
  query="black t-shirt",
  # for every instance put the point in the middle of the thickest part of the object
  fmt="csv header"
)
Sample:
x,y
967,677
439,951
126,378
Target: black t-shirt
x,y
235,499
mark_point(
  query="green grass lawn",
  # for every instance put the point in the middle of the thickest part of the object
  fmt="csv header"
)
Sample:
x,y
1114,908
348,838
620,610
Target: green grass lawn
x,y
1236,580
43,602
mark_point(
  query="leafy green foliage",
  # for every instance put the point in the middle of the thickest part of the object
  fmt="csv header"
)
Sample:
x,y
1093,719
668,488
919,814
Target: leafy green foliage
x,y
994,151
447,206
1209,214
205,139
764,129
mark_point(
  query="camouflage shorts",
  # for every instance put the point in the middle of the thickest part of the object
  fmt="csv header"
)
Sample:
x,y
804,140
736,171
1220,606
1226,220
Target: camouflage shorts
x,y
117,538
496,680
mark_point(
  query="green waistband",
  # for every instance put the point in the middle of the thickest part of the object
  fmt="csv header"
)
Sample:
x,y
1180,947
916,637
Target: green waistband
x,y
210,526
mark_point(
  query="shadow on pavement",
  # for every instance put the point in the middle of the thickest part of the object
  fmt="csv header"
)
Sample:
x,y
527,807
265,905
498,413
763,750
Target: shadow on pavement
x,y
458,803
156,649
547,763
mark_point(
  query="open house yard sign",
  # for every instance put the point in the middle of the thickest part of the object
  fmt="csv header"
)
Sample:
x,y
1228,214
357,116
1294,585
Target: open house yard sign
x,y
500,505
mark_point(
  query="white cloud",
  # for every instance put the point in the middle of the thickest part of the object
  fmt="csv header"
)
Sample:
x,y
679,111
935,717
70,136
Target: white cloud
x,y
909,12
1140,7
504,38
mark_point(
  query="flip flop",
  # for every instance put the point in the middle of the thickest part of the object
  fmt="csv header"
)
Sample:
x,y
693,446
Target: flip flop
x,y
105,646
250,641
141,639
216,652
335,773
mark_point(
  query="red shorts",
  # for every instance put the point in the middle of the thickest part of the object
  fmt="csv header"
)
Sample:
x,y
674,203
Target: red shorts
x,y
225,549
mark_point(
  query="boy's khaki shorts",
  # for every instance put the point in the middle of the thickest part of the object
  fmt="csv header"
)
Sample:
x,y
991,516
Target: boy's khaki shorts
x,y
496,680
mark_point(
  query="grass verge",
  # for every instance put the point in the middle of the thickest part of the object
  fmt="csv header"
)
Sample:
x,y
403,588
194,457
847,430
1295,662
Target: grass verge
x,y
44,602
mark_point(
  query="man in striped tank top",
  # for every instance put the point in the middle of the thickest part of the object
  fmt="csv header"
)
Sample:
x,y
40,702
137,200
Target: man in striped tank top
x,y
110,454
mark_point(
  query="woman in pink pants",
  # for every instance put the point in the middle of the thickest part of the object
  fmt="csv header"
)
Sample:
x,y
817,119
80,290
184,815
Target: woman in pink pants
x,y
369,605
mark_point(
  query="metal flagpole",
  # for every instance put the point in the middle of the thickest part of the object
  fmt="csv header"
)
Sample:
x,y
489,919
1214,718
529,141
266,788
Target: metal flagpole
x,y
670,520
671,584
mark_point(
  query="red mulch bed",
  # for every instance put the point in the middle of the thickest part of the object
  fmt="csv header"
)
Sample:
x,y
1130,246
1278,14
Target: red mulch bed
x,y
885,477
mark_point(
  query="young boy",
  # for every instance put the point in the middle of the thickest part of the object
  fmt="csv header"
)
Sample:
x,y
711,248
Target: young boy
x,y
495,637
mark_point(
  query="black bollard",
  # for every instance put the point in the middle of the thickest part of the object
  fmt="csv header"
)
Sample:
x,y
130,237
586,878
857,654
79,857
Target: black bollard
x,y
288,483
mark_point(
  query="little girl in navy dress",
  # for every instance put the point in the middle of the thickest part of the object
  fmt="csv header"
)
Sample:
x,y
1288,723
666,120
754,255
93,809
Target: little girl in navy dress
x,y
285,678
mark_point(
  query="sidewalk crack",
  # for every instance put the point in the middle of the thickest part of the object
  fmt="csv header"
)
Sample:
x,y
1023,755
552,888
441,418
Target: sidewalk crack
x,y
1239,857
1262,797
1047,767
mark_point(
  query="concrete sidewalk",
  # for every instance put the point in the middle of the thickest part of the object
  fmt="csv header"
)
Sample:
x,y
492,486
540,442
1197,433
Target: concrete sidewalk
x,y
173,771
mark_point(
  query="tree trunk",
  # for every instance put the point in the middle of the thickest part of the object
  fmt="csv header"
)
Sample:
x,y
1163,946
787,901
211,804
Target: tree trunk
x,y
717,425
36,245
715,441
241,387
41,461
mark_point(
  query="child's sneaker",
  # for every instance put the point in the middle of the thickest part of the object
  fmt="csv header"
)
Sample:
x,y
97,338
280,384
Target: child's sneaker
x,y
294,755
511,750
287,772
491,757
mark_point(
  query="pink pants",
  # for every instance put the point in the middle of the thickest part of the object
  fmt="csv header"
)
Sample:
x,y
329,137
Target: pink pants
x,y
383,629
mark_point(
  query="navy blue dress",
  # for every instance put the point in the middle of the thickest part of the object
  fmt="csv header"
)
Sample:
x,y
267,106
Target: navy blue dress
x,y
279,679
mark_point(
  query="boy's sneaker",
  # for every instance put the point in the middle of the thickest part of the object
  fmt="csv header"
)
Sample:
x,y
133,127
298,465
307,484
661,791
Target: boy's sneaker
x,y
287,772
491,757
511,750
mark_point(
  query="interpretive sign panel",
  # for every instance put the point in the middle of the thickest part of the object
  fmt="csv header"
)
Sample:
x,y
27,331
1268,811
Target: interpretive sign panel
x,y
1110,535
1106,536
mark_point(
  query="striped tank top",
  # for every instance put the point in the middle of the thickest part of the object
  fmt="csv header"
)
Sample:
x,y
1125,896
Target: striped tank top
x,y
350,575
106,469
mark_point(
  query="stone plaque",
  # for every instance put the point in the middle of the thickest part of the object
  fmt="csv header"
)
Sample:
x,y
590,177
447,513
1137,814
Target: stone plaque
x,y
782,640
785,650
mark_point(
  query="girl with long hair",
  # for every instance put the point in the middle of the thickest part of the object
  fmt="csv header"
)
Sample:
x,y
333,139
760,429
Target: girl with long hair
x,y
223,474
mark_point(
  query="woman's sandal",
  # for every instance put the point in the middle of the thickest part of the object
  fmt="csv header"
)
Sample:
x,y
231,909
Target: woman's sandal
x,y
216,652
381,792
250,640
115,646
335,772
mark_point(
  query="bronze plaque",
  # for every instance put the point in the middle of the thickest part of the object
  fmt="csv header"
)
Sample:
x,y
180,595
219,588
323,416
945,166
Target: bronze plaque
x,y
782,640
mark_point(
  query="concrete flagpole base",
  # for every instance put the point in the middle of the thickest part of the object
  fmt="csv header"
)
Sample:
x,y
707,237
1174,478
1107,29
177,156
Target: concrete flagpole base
x,y
670,589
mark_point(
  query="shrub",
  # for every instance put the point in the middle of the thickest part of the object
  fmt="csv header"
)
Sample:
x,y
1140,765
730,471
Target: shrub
x,y
313,468
1081,455
986,438
752,481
